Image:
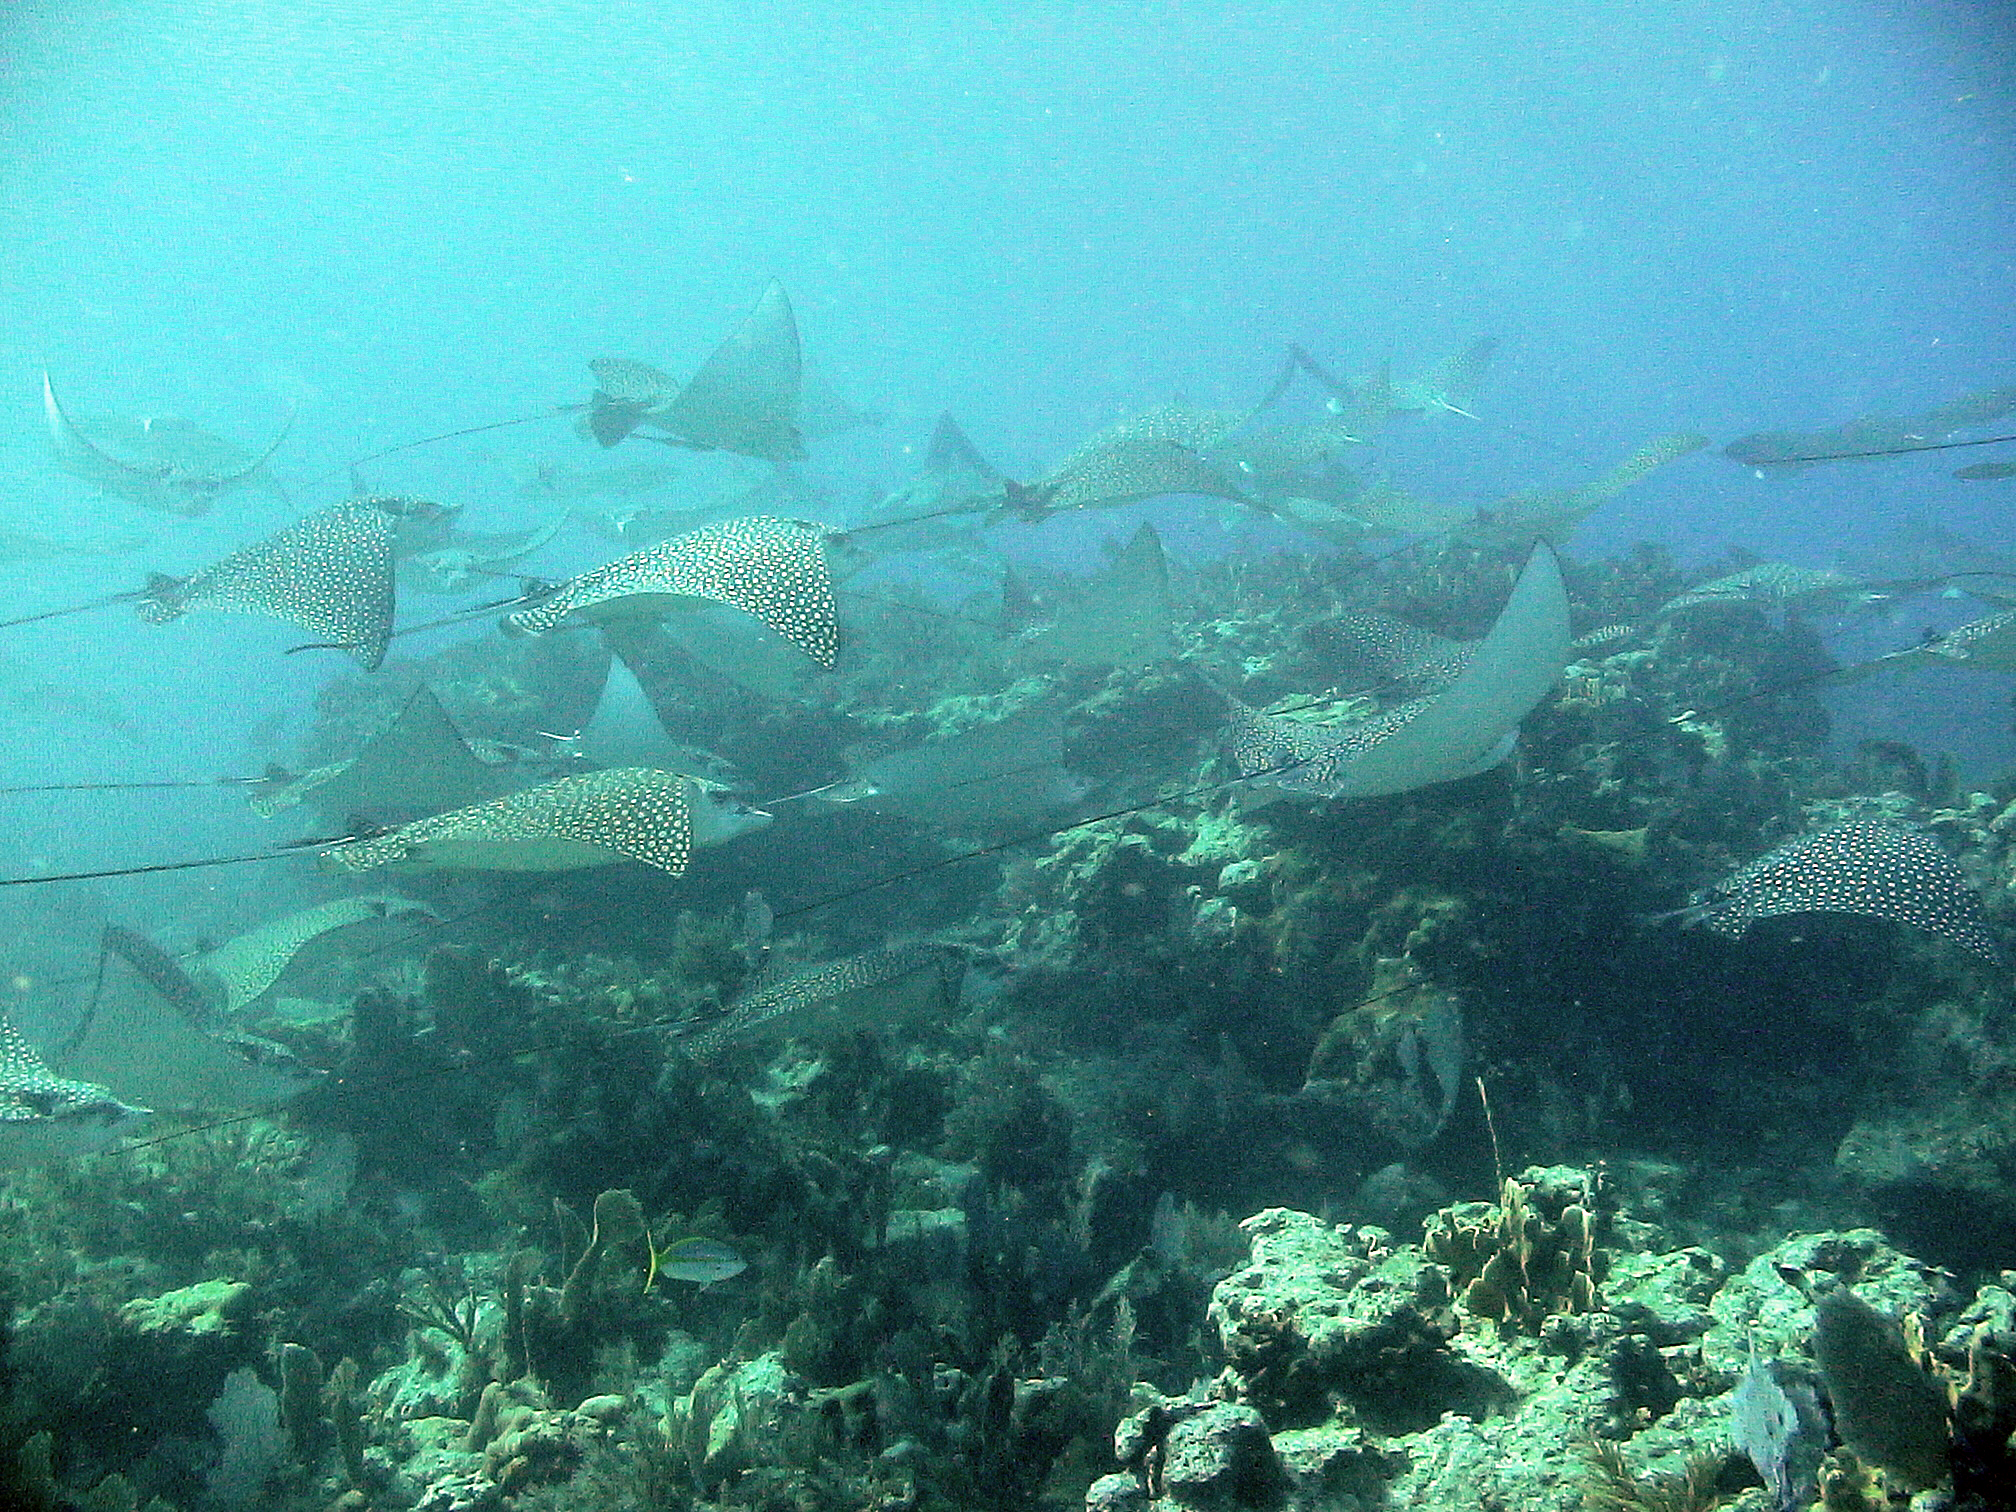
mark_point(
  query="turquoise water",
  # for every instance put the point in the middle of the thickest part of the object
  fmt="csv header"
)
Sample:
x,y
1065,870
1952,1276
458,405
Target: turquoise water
x,y
1069,979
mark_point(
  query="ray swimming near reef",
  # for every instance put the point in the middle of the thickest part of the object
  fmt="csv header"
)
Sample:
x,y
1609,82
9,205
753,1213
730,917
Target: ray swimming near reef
x,y
1381,647
150,1032
941,506
44,1116
745,397
1868,867
418,764
982,780
1987,644
34,546
877,988
558,482
462,563
774,569
627,392
331,572
245,967
1122,619
1466,728
625,730
593,819
1776,584
1553,515
1872,436
1159,452
159,463
1450,384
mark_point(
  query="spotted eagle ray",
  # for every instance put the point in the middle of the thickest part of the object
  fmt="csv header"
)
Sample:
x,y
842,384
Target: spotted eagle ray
x,y
1004,774
940,507
1987,644
419,764
1345,516
465,562
161,463
1144,457
1449,384
594,819
772,568
625,730
543,478
1869,867
1552,516
332,573
241,970
876,988
150,1032
823,411
627,393
44,1116
1777,584
1466,728
30,546
744,399
1380,647
1359,407
1122,619
1875,435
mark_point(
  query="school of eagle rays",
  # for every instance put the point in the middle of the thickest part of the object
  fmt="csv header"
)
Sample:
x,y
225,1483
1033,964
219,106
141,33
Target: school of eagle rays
x,y
748,589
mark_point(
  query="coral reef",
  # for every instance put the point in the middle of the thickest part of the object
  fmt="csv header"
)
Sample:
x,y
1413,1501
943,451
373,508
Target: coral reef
x,y
1135,1219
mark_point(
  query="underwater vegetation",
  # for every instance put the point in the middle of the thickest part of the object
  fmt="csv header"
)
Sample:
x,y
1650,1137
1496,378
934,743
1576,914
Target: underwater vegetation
x,y
845,1019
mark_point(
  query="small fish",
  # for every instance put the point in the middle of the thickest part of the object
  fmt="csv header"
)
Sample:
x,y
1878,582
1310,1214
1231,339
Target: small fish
x,y
701,1261
1885,1406
1868,867
758,924
48,1117
162,463
772,568
1986,472
595,819
332,573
